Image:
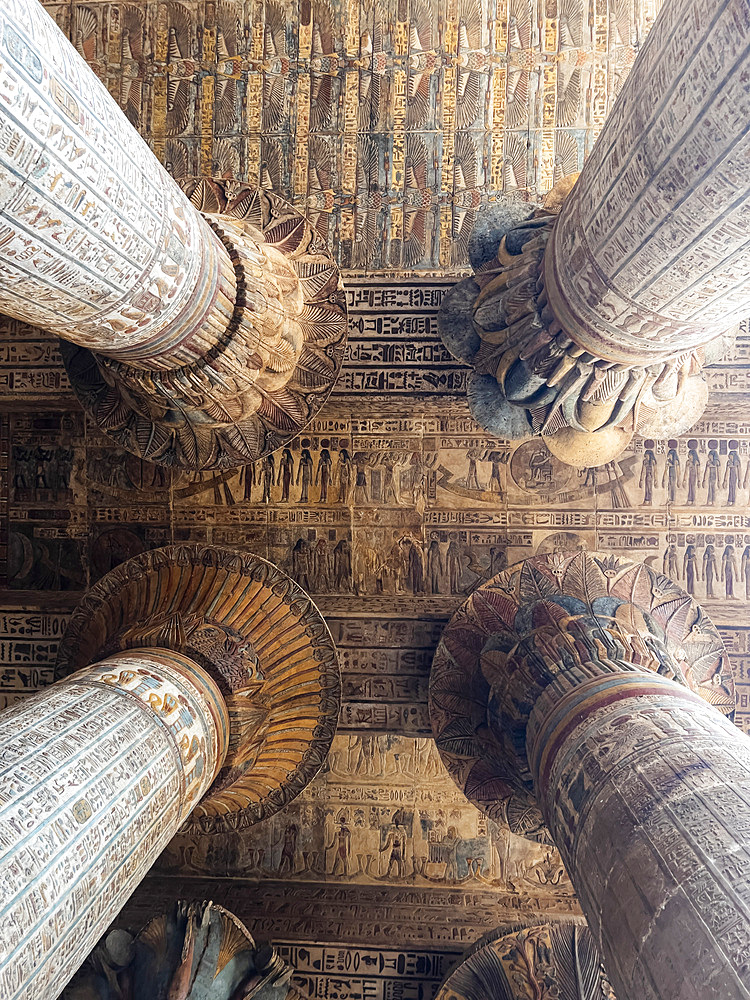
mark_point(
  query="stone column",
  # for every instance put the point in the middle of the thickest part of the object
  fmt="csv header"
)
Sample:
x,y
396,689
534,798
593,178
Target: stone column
x,y
645,789
212,702
596,694
203,341
596,323
98,773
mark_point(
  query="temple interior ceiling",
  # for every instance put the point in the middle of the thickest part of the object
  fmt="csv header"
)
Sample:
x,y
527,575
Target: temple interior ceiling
x,y
398,126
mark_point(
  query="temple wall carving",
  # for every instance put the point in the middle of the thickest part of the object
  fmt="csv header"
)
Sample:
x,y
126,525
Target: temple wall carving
x,y
389,512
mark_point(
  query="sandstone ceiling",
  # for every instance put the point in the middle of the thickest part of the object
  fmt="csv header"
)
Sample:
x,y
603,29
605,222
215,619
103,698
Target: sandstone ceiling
x,y
399,126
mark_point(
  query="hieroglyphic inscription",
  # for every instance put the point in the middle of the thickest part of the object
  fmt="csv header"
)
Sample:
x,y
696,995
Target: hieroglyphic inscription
x,y
348,973
95,782
94,232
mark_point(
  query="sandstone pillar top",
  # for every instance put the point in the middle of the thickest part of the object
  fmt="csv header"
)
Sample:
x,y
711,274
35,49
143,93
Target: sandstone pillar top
x,y
510,638
595,317
200,332
261,639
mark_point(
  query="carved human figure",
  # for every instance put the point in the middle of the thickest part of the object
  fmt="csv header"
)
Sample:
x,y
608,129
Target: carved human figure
x,y
360,480
248,479
342,843
395,843
301,562
289,848
305,473
590,476
415,567
390,489
745,569
344,476
434,564
670,563
729,570
323,565
286,474
342,565
365,760
323,474
710,569
711,471
269,475
671,475
419,473
472,481
692,471
732,473
495,480
449,850
690,569
649,468
453,558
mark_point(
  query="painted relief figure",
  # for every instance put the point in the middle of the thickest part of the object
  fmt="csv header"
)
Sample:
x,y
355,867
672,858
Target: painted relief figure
x,y
671,563
395,844
323,474
344,476
342,565
415,567
692,471
305,473
361,494
745,570
495,481
301,563
472,481
286,474
671,475
729,570
248,480
710,569
268,474
342,844
732,473
454,564
691,569
390,489
711,472
434,565
289,848
323,571
648,472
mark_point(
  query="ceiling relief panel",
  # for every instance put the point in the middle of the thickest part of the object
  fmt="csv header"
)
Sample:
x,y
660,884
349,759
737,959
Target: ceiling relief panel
x,y
397,126
393,123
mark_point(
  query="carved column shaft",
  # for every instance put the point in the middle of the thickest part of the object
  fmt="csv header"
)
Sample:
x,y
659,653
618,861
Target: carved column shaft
x,y
585,688
202,342
646,792
98,243
596,322
98,773
649,255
